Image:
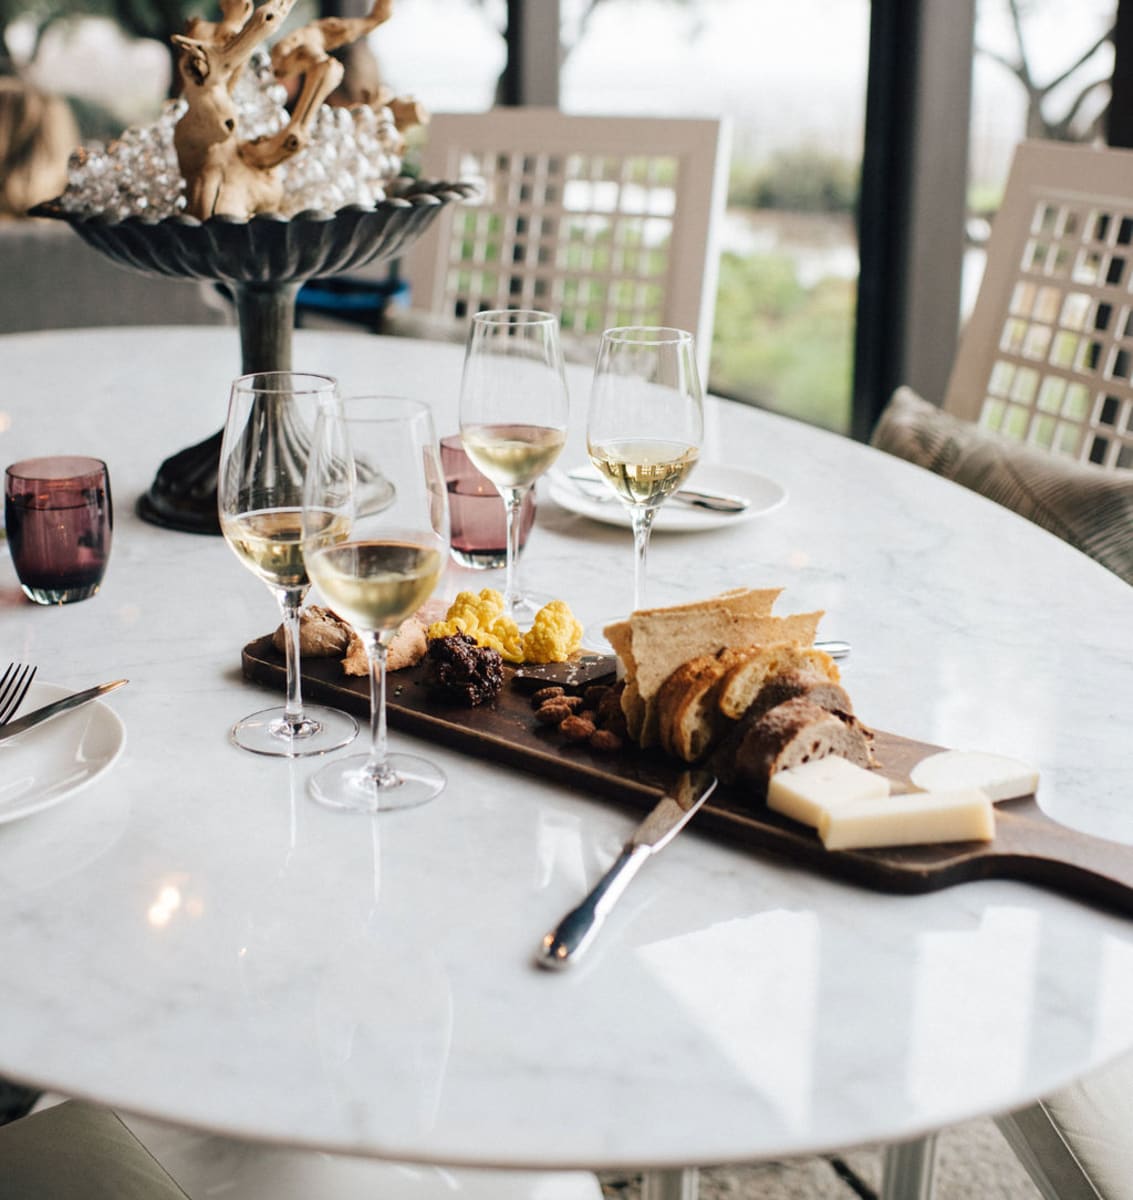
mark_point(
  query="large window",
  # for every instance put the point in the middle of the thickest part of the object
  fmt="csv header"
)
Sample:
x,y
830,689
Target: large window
x,y
1041,69
448,53
791,79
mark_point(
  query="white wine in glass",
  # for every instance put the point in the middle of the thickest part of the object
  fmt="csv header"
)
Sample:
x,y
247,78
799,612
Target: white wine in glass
x,y
645,424
513,417
376,557
263,459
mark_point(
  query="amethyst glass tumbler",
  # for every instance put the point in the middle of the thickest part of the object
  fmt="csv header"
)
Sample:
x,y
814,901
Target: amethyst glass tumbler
x,y
59,519
476,511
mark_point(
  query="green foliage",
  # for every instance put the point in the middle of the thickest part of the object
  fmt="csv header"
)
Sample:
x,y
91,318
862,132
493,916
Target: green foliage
x,y
799,179
781,345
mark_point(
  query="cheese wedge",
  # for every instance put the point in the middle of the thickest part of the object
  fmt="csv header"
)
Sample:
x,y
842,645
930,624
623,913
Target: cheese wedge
x,y
1002,778
912,819
824,785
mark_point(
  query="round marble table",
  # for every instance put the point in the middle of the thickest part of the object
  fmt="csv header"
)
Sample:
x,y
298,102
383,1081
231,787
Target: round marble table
x,y
191,938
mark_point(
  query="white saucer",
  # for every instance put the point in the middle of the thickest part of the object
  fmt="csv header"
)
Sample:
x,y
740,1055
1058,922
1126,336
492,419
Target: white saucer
x,y
765,495
53,761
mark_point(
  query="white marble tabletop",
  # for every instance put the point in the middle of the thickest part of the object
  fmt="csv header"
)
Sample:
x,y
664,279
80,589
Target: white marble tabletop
x,y
191,938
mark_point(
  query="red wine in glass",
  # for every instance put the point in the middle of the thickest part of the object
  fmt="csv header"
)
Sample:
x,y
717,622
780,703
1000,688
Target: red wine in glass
x,y
59,520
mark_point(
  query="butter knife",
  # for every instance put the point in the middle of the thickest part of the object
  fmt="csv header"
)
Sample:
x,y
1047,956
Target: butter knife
x,y
39,715
578,929
591,484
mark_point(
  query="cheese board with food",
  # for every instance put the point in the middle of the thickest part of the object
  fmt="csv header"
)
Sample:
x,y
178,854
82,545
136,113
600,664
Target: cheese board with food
x,y
727,686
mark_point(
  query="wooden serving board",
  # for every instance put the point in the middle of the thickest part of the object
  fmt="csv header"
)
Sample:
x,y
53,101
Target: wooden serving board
x,y
1028,845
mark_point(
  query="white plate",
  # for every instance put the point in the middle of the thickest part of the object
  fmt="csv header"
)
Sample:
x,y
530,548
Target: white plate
x,y
53,761
765,496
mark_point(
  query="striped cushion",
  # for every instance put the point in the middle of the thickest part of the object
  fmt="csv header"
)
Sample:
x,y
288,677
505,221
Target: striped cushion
x,y
1090,508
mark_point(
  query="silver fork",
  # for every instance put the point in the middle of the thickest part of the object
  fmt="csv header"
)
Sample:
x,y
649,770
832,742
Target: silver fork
x,y
14,684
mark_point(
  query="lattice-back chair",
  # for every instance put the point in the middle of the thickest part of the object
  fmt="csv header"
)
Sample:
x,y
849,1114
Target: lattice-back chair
x,y
603,220
1047,355
1038,414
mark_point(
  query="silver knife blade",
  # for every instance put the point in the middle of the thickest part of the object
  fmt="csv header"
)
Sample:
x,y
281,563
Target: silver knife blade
x,y
578,929
55,708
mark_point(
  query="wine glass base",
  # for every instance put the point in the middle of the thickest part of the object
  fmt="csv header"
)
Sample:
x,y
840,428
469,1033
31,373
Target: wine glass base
x,y
322,730
527,605
594,640
346,785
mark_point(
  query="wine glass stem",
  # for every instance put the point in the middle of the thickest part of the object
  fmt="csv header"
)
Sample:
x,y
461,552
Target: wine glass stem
x,y
642,519
290,602
513,502
377,765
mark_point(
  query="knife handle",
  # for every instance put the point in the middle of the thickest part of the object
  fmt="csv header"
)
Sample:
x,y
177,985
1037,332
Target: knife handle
x,y
574,933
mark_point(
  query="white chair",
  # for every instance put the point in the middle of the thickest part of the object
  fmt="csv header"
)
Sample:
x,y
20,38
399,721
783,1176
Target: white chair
x,y
603,220
1075,1144
119,1157
1047,356
1038,413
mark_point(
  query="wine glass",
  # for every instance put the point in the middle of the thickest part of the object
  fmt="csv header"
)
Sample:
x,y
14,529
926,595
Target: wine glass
x,y
376,555
645,424
513,417
263,458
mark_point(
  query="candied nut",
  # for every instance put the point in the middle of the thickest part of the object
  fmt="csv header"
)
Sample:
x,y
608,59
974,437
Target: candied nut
x,y
618,727
610,704
605,741
577,729
546,693
574,703
588,714
552,712
595,693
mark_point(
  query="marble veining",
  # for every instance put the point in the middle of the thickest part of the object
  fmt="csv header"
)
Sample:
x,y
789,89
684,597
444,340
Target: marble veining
x,y
192,939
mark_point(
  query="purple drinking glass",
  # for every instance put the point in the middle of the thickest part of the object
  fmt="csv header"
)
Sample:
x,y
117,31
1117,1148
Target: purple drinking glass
x,y
59,519
477,516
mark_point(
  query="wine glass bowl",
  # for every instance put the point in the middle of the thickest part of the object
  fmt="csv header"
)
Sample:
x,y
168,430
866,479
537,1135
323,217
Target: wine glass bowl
x,y
513,417
376,555
645,424
263,461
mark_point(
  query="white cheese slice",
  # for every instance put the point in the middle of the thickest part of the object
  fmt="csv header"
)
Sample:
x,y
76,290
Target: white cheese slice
x,y
1002,778
915,818
807,791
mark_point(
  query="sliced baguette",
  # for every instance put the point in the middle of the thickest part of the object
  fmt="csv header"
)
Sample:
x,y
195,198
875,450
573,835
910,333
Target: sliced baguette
x,y
793,733
815,688
746,678
688,715
659,651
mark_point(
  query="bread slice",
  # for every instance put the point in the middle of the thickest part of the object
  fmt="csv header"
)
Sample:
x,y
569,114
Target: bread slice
x,y
813,686
658,640
749,674
688,716
659,650
754,601
793,733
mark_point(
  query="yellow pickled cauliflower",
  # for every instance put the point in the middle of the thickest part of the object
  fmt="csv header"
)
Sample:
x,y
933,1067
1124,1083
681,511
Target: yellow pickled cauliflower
x,y
554,636
482,617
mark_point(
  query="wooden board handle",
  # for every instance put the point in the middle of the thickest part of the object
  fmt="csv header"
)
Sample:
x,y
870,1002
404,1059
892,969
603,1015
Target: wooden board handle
x,y
1033,847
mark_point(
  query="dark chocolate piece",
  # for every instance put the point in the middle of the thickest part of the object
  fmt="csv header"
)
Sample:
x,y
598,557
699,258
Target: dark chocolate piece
x,y
577,674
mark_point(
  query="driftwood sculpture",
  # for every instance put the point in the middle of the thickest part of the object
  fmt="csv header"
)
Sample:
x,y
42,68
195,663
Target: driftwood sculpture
x,y
224,175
